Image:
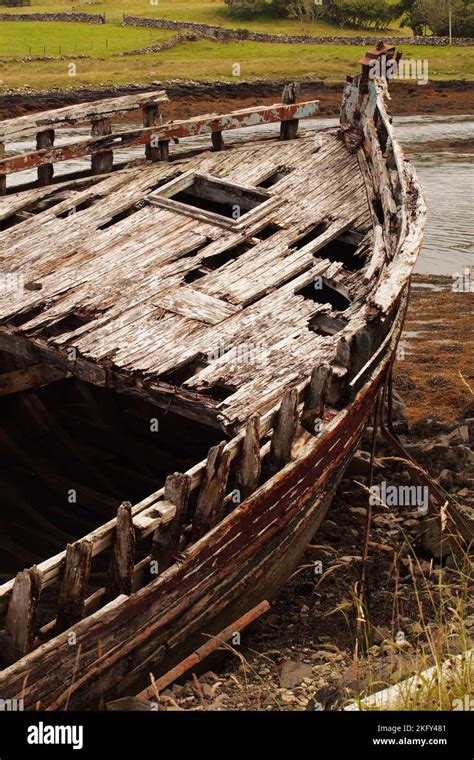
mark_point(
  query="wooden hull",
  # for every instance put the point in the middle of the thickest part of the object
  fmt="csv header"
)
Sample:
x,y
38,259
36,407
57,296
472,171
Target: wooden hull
x,y
246,558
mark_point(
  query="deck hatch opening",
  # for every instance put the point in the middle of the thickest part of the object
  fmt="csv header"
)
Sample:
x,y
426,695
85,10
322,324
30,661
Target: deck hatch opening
x,y
219,197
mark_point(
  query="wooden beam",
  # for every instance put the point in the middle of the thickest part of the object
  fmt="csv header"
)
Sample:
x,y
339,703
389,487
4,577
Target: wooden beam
x,y
103,162
20,621
217,141
151,119
166,538
249,465
28,378
284,429
45,140
120,576
210,503
289,129
317,392
74,584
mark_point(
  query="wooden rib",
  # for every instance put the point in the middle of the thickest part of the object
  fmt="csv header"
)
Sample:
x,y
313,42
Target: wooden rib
x,y
151,692
120,575
249,464
151,119
210,503
20,621
317,393
30,377
284,429
74,584
167,536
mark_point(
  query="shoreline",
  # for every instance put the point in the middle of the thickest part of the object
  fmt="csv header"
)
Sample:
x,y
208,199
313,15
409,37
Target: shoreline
x,y
189,98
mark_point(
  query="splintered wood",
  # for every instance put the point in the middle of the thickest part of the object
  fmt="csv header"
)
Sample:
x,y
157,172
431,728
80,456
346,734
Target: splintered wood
x,y
199,303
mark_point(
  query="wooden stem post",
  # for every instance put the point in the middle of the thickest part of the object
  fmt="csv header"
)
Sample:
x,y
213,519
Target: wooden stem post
x,y
102,163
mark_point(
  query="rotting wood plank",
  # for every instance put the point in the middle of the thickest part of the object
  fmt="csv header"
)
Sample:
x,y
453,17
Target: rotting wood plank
x,y
20,623
167,536
120,575
31,377
284,430
74,584
210,503
249,463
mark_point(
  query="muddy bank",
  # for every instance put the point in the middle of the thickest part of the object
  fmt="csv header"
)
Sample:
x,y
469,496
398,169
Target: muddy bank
x,y
194,98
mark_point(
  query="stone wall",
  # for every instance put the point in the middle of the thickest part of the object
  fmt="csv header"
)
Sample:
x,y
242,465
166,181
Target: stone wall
x,y
221,32
83,18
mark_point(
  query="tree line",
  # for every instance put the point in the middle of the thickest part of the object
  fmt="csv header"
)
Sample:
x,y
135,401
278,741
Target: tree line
x,y
424,17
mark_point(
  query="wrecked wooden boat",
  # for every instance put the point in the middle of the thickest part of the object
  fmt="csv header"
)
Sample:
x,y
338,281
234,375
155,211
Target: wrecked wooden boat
x,y
191,347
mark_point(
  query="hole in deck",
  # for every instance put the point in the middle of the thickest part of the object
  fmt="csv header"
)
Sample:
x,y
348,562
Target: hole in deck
x,y
275,177
266,232
344,250
219,197
323,291
321,324
309,236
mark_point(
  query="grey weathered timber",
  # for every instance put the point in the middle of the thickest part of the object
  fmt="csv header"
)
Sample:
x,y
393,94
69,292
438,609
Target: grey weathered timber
x,y
45,140
284,429
167,537
210,503
120,575
20,623
74,584
249,464
102,163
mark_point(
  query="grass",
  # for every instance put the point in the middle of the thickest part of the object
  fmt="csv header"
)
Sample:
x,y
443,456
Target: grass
x,y
207,61
21,39
212,12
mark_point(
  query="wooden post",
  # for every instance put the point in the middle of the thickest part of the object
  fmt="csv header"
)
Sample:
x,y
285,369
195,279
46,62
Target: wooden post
x,y
284,428
217,141
74,584
167,537
315,400
210,503
249,465
45,173
289,129
120,575
20,621
3,177
164,148
150,119
102,163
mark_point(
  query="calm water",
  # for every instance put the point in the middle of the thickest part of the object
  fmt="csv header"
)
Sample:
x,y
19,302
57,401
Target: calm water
x,y
445,170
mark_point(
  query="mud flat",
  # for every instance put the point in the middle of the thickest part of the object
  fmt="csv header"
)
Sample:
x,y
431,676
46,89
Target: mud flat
x,y
194,98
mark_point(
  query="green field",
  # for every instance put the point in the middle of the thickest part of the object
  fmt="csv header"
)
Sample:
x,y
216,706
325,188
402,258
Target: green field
x,y
204,59
207,61
20,39
201,11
